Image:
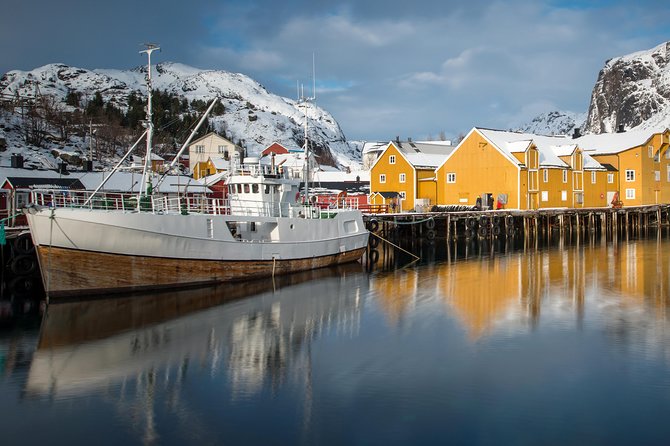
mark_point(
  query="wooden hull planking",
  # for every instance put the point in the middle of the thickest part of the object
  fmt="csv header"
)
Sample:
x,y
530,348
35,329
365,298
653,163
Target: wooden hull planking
x,y
71,272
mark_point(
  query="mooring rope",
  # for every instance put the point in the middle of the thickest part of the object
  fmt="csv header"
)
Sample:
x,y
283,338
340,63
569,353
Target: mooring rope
x,y
417,222
52,217
395,246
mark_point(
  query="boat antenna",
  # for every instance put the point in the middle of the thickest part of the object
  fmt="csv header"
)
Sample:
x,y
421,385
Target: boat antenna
x,y
148,123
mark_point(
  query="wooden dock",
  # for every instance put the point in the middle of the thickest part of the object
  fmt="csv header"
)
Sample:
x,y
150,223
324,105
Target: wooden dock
x,y
474,224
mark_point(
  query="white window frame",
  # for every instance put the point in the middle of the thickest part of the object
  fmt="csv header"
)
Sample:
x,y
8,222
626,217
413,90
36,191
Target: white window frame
x,y
544,195
382,178
610,178
593,177
630,194
222,149
402,178
391,159
668,172
630,175
451,177
565,175
564,195
650,149
199,149
657,175
545,175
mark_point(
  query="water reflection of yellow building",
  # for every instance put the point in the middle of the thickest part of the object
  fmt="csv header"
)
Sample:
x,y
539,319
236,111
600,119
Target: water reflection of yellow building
x,y
516,291
396,292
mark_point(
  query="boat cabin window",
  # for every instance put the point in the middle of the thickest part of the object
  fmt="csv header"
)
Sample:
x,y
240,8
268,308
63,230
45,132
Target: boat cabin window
x,y
246,188
254,188
239,188
267,189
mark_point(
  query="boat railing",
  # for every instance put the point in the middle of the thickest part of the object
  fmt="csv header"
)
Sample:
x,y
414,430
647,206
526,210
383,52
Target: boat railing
x,y
192,204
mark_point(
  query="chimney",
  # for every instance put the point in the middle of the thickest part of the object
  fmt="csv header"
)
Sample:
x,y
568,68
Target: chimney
x,y
409,139
397,139
17,161
62,168
88,166
577,133
620,129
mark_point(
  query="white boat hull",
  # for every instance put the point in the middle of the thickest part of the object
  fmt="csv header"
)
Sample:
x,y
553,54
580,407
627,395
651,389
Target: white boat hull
x,y
83,251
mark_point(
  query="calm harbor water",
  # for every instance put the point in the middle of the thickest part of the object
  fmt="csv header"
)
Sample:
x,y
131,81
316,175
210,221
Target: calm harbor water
x,y
564,345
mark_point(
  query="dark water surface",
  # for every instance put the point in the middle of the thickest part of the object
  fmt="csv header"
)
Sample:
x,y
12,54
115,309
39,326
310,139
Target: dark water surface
x,y
559,346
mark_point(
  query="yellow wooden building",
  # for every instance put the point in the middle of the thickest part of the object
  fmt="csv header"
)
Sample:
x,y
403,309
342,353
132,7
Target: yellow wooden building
x,y
642,160
519,170
408,168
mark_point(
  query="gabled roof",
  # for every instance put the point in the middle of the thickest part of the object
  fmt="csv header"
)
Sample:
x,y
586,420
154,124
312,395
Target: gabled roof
x,y
388,194
207,136
612,143
275,148
421,155
516,142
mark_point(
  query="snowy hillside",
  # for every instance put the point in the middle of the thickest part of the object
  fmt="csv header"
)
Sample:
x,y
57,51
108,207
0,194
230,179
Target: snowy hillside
x,y
252,115
553,123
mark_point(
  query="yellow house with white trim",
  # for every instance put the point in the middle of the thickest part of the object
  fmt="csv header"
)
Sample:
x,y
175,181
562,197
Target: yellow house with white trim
x,y
408,168
642,160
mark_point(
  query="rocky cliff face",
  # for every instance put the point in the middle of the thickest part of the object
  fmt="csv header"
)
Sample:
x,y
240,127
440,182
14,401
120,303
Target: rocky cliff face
x,y
633,91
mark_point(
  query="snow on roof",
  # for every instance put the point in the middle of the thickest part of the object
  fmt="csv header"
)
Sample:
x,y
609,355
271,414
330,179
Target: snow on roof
x,y
212,179
220,163
425,159
606,143
590,163
374,146
514,142
564,150
329,177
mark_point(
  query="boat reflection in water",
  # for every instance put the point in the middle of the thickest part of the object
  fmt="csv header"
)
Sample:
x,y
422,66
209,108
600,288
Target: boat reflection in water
x,y
97,346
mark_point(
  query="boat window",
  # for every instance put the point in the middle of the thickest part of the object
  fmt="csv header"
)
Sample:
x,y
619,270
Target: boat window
x,y
239,188
254,188
267,189
252,226
246,188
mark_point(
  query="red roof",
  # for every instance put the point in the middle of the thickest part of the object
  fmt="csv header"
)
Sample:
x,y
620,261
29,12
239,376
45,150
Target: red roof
x,y
275,148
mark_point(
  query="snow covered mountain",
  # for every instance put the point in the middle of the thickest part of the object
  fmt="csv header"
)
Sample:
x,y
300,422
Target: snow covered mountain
x,y
633,91
252,114
553,123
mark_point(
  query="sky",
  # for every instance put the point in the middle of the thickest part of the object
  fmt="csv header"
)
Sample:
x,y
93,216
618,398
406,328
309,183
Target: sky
x,y
384,68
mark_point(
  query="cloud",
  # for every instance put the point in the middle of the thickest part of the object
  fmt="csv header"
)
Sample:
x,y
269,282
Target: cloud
x,y
384,67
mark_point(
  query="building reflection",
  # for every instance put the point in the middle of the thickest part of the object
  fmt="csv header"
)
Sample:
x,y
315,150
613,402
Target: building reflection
x,y
518,290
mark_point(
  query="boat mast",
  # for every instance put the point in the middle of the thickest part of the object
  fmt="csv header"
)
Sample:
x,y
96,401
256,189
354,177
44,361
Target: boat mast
x,y
305,102
148,124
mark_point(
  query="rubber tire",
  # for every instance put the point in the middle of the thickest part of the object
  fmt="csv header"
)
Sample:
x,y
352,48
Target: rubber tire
x,y
23,265
23,244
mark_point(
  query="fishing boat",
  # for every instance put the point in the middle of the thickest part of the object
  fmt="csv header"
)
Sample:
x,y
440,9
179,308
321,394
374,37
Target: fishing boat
x,y
265,227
